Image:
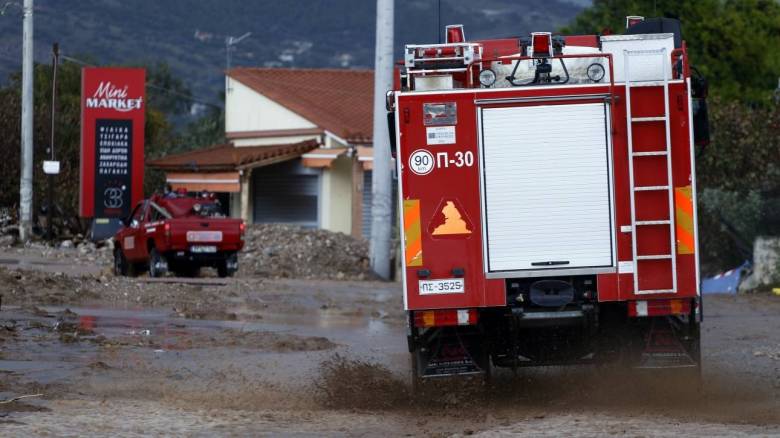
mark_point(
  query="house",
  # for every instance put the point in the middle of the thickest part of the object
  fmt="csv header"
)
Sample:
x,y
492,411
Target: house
x,y
298,152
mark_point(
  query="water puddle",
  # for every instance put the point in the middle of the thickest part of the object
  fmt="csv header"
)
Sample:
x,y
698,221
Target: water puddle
x,y
54,344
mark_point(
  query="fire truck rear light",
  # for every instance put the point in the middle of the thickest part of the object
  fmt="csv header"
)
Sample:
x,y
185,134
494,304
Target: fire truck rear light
x,y
542,44
423,273
455,34
458,272
633,19
445,318
659,307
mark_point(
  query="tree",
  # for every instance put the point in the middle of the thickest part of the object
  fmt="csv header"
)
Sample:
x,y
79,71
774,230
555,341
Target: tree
x,y
734,43
160,134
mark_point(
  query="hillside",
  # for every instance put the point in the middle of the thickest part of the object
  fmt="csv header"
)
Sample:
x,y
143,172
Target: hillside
x,y
190,36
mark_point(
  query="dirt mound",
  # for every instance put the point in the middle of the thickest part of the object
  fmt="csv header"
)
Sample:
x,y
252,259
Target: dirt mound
x,y
284,251
26,286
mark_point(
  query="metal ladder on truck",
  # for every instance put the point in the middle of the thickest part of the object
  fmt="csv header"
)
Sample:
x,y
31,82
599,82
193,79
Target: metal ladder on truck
x,y
634,157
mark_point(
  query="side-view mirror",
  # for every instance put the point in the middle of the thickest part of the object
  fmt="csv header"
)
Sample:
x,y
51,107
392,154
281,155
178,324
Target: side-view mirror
x,y
699,86
701,123
134,223
391,131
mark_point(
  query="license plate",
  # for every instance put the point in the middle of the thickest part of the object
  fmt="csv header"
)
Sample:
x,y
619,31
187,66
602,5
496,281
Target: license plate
x,y
445,286
204,236
203,249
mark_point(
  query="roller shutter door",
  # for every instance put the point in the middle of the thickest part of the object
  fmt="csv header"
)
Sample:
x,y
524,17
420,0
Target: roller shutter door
x,y
546,188
286,193
368,198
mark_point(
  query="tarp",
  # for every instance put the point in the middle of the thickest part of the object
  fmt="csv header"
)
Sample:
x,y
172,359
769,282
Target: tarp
x,y
725,282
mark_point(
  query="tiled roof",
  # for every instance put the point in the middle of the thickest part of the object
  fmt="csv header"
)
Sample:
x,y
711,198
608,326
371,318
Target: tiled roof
x,y
340,101
229,157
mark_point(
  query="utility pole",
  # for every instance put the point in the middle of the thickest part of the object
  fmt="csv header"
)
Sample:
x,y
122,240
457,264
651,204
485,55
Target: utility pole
x,y
382,204
55,59
26,183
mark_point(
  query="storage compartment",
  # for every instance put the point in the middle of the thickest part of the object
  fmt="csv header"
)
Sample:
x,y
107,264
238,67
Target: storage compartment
x,y
546,190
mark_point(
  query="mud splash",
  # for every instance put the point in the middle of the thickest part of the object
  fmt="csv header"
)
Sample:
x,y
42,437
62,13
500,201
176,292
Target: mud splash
x,y
355,384
346,383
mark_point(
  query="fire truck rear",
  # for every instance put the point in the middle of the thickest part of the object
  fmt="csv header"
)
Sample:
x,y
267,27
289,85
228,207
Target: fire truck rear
x,y
548,199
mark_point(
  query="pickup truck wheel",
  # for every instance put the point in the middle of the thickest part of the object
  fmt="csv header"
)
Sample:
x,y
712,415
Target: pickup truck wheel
x,y
120,263
222,270
228,267
158,266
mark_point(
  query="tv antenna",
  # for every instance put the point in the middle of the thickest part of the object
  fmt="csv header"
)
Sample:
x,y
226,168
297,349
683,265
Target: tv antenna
x,y
231,42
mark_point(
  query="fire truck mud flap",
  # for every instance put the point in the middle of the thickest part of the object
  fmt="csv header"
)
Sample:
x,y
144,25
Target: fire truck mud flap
x,y
668,344
449,352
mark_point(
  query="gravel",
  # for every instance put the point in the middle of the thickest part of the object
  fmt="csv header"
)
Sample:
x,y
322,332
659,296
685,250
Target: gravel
x,y
270,251
284,251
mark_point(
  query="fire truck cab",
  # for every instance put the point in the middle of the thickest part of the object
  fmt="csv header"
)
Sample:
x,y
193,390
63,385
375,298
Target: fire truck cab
x,y
548,199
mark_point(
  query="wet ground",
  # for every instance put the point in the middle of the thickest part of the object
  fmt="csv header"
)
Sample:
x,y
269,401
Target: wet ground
x,y
130,357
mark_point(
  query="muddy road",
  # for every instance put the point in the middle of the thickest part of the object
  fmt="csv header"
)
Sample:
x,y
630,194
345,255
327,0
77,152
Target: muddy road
x,y
115,356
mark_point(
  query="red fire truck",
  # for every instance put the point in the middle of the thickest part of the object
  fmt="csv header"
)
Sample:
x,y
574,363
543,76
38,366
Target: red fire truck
x,y
548,199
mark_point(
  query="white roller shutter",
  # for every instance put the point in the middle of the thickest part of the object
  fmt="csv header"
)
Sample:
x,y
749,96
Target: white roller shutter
x,y
287,193
546,189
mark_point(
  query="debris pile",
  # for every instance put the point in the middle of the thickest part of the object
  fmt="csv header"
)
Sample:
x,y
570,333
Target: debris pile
x,y
270,251
22,286
8,228
285,251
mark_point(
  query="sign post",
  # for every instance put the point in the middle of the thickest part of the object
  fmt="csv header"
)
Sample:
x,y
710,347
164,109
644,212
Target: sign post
x,y
112,145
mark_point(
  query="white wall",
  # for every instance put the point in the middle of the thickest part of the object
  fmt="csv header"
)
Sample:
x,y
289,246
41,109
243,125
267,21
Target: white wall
x,y
248,110
336,196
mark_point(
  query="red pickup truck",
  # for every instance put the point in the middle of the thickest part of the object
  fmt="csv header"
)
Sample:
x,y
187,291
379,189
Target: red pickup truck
x,y
180,234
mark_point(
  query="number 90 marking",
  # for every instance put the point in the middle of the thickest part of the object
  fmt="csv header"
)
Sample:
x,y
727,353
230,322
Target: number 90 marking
x,y
421,162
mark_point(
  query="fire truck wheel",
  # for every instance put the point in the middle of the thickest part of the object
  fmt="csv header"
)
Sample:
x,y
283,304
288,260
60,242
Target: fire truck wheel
x,y
157,264
694,350
120,263
487,367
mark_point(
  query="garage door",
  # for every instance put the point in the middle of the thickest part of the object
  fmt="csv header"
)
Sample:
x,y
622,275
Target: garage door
x,y
546,189
368,199
285,193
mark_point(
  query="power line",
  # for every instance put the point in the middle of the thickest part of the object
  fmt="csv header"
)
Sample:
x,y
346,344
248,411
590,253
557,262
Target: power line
x,y
148,84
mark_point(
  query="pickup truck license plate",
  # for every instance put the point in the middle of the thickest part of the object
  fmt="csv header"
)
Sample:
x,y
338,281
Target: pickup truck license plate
x,y
203,249
204,236
445,286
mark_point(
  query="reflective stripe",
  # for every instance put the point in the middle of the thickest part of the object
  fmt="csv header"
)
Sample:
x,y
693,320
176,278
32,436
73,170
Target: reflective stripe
x,y
686,243
412,233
